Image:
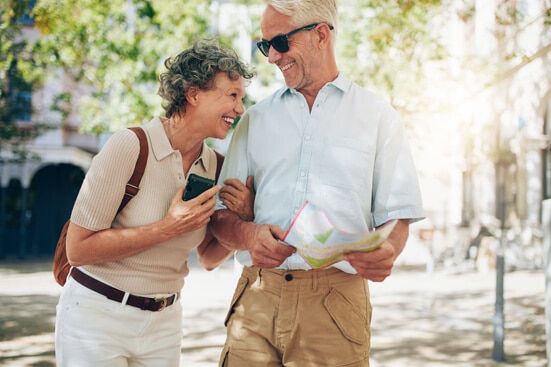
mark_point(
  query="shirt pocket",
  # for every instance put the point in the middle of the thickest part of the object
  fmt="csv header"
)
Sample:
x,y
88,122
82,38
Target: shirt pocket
x,y
346,163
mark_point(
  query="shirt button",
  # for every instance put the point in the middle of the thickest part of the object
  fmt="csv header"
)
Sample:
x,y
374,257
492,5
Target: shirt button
x,y
288,277
302,174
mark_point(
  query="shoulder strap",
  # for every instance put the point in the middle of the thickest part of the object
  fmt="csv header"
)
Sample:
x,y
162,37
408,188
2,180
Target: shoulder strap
x,y
132,187
219,161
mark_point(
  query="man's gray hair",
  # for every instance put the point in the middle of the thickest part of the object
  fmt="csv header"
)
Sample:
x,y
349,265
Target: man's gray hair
x,y
304,12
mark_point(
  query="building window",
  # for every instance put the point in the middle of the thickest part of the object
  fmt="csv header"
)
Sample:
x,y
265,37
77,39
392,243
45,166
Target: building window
x,y
22,106
20,97
27,19
18,94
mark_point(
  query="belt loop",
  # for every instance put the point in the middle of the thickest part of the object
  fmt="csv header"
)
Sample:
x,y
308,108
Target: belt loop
x,y
315,281
259,276
125,298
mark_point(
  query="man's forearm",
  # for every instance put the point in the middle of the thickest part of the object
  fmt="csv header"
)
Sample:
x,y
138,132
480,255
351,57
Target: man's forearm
x,y
399,236
229,229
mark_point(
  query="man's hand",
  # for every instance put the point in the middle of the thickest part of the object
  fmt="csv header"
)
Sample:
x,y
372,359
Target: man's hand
x,y
265,248
374,265
377,265
261,240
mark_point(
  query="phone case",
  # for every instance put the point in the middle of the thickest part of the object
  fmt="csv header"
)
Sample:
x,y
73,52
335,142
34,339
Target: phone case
x,y
196,185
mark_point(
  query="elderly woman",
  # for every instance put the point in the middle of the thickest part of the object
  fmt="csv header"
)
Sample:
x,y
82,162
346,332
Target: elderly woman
x,y
141,252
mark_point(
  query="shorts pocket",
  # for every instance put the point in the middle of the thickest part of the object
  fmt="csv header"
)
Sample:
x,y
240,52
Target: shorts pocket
x,y
351,323
224,356
239,290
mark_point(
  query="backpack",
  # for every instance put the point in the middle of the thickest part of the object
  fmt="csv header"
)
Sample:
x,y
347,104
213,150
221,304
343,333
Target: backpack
x,y
61,266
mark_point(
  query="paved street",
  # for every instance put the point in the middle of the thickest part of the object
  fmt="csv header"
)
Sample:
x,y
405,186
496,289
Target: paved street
x,y
420,319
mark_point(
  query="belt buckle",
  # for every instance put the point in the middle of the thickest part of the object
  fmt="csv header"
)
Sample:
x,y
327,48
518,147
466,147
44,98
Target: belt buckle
x,y
163,301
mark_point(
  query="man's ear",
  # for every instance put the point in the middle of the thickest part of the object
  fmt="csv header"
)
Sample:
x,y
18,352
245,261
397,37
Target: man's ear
x,y
324,35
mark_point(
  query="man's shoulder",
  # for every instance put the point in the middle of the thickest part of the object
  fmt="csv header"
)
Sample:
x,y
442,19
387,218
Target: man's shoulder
x,y
367,93
370,99
274,97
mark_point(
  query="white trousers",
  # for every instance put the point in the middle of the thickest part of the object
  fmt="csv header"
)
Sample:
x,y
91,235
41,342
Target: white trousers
x,y
93,331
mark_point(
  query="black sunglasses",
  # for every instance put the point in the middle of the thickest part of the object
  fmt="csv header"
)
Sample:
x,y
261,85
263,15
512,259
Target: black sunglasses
x,y
281,43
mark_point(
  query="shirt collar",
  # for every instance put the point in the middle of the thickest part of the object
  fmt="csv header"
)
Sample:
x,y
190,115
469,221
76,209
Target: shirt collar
x,y
205,157
160,145
341,82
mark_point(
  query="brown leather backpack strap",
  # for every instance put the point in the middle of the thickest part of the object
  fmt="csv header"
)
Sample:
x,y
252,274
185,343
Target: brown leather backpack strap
x,y
219,162
60,265
132,187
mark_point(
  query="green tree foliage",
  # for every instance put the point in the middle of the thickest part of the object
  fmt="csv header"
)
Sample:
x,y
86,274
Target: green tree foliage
x,y
387,44
18,74
117,48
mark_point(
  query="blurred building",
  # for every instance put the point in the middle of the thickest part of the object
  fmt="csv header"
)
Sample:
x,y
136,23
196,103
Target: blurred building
x,y
37,195
507,115
484,153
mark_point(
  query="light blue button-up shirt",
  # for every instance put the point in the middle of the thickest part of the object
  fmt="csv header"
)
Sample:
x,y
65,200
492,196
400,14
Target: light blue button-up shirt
x,y
349,156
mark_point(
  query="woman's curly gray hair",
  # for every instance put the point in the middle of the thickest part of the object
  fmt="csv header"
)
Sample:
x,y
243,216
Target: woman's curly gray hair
x,y
197,67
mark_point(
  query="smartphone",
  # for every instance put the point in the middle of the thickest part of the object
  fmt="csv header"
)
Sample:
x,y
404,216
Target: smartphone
x,y
196,185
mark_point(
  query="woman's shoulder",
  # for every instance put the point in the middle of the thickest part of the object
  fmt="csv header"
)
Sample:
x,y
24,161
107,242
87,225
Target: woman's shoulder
x,y
123,143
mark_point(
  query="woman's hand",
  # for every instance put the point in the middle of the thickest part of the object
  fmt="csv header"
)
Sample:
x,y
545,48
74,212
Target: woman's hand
x,y
239,198
188,216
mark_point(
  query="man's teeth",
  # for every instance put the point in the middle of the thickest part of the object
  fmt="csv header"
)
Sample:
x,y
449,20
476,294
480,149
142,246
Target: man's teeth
x,y
285,67
228,120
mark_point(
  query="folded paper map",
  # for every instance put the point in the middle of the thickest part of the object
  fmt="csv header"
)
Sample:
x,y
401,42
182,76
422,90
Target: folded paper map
x,y
321,244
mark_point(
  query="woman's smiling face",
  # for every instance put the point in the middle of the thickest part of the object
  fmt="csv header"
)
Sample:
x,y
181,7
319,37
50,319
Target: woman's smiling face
x,y
220,106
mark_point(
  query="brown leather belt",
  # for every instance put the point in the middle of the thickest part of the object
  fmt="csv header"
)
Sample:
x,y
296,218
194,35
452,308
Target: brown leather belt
x,y
143,303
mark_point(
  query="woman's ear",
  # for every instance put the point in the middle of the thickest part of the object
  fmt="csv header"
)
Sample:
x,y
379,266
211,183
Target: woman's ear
x,y
192,96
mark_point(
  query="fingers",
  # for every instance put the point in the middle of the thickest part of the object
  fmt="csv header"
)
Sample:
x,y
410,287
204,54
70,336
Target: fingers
x,y
208,195
178,195
235,184
375,265
239,198
267,251
375,273
270,257
278,233
232,192
249,183
197,211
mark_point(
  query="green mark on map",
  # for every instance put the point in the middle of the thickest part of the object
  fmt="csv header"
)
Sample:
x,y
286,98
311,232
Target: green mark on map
x,y
321,263
322,237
